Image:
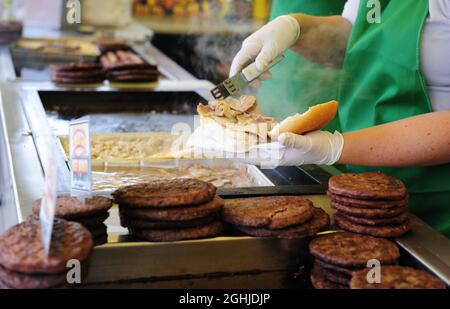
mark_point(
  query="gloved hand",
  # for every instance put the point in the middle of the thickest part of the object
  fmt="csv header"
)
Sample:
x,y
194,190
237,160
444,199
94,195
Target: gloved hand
x,y
318,147
266,44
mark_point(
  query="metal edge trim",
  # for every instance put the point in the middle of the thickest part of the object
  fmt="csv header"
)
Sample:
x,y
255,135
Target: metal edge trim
x,y
425,262
9,158
7,65
36,121
252,170
423,255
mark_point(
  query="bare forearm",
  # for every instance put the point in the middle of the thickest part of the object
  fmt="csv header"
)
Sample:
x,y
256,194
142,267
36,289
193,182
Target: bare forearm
x,y
323,39
417,141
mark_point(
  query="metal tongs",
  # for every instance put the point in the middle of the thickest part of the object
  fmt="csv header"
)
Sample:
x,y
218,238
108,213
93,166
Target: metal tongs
x,y
234,84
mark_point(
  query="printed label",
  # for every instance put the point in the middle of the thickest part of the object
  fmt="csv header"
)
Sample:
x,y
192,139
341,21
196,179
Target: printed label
x,y
80,157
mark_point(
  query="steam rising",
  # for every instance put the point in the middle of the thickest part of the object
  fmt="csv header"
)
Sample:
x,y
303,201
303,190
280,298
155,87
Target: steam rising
x,y
296,84
216,52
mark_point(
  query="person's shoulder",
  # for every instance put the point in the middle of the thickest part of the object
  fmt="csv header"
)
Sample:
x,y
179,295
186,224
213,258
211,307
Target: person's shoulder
x,y
440,10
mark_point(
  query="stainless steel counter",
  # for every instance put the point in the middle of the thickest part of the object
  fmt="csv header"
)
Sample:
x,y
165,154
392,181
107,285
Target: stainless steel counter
x,y
225,261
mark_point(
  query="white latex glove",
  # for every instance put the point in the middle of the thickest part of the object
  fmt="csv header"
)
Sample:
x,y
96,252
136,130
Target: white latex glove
x,y
318,147
266,44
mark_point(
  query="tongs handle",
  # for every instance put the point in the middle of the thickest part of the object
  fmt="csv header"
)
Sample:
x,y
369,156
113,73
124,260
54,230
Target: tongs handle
x,y
251,73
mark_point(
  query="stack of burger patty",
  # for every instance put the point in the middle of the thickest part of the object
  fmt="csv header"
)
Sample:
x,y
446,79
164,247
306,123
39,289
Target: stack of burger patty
x,y
10,31
126,66
170,210
370,203
23,263
396,277
78,73
339,255
275,216
90,212
107,45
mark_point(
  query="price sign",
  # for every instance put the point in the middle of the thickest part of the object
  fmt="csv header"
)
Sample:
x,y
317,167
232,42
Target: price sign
x,y
80,157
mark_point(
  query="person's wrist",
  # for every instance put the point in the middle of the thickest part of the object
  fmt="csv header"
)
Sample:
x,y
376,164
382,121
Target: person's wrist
x,y
337,146
295,26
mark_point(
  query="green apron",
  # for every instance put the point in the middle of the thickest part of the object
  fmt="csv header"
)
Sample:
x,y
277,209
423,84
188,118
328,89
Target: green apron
x,y
381,82
297,83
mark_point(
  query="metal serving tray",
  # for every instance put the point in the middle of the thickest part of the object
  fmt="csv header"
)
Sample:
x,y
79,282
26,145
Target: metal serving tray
x,y
145,171
75,103
32,62
29,55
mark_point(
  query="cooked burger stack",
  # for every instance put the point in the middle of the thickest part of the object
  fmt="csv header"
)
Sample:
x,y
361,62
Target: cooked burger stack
x,y
126,66
339,255
275,216
23,264
370,203
107,45
170,210
78,73
90,212
397,277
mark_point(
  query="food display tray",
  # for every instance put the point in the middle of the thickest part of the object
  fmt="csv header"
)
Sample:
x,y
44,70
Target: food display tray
x,y
250,175
27,52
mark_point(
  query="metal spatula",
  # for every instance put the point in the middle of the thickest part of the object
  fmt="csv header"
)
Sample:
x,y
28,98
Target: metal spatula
x,y
234,84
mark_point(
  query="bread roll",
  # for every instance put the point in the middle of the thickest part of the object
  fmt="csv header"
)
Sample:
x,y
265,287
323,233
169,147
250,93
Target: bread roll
x,y
315,118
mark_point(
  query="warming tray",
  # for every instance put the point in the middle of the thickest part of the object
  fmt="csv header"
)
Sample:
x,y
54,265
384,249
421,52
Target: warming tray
x,y
123,158
47,50
126,148
32,56
222,173
127,158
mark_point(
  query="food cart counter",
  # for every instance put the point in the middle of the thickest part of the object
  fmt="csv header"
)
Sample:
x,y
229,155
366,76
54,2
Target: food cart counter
x,y
28,108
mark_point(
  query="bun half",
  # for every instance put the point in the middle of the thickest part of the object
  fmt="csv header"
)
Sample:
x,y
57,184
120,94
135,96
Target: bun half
x,y
315,118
